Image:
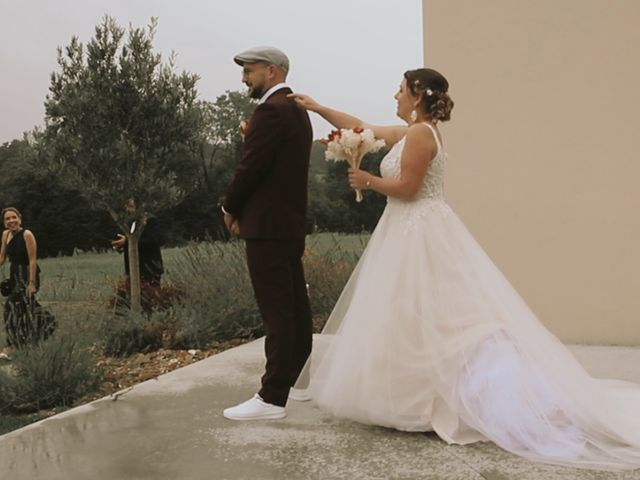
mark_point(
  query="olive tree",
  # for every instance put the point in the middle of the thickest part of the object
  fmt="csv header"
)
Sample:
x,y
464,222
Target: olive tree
x,y
121,123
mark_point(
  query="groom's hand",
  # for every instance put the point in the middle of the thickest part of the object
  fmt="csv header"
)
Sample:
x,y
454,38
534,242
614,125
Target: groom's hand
x,y
231,224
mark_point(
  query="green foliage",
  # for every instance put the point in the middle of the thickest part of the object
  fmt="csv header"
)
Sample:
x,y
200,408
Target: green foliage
x,y
221,301
120,122
19,167
328,262
217,308
10,422
51,206
221,304
332,204
218,148
48,207
54,372
130,332
218,303
222,118
125,331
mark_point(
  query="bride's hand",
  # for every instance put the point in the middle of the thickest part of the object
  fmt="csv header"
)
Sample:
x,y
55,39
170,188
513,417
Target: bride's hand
x,y
305,101
359,179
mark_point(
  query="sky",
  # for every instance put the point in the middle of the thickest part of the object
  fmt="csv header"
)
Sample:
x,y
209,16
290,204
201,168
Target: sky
x,y
348,54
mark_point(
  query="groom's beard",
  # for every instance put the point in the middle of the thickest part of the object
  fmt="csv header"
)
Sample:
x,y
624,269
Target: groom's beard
x,y
256,91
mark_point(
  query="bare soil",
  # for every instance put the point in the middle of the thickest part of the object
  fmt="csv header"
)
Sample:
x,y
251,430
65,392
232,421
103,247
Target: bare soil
x,y
124,372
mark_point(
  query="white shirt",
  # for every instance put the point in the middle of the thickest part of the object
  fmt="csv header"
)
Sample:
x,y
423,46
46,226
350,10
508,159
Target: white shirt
x,y
271,91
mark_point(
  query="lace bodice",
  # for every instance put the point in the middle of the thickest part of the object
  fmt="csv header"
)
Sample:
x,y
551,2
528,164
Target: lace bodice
x,y
433,185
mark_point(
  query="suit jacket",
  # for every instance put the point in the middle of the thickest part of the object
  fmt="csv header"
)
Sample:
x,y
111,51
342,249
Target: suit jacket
x,y
268,193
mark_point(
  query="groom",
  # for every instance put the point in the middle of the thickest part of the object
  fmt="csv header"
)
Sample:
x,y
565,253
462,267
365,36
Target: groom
x,y
266,205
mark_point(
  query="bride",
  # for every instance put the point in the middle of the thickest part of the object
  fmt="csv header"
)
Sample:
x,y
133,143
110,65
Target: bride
x,y
429,335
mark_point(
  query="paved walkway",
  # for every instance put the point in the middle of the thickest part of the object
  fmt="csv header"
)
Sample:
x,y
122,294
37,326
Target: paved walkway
x,y
172,428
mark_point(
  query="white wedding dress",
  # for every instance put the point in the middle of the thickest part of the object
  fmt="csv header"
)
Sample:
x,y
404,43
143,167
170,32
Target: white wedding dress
x,y
429,335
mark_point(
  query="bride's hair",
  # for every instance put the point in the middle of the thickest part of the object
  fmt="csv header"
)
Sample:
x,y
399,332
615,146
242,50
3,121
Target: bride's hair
x,y
433,88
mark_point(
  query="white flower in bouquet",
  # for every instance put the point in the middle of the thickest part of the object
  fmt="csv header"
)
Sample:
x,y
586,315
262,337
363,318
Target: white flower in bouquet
x,y
351,145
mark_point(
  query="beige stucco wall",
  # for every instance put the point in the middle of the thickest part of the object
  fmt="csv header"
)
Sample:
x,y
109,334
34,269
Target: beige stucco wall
x,y
544,151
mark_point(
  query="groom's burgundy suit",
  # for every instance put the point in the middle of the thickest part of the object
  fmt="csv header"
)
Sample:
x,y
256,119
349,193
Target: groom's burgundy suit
x,y
268,197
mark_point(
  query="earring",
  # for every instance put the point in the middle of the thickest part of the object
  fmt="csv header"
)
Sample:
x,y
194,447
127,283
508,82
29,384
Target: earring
x,y
414,116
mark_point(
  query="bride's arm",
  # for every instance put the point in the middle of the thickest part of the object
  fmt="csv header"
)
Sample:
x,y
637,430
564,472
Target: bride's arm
x,y
419,149
390,134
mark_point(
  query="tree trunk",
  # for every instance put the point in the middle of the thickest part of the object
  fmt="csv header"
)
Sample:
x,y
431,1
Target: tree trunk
x,y
134,271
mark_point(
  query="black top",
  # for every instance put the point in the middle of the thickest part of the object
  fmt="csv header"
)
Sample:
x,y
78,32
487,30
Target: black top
x,y
19,258
17,249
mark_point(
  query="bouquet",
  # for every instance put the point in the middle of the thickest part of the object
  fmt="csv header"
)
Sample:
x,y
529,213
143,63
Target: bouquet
x,y
351,145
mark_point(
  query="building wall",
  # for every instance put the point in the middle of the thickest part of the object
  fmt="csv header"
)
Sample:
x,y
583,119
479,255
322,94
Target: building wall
x,y
544,151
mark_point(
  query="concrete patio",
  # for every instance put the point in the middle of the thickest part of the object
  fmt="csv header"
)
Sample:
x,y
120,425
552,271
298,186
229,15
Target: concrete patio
x,y
172,428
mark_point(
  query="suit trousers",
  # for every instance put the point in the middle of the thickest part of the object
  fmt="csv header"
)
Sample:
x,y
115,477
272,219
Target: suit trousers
x,y
277,276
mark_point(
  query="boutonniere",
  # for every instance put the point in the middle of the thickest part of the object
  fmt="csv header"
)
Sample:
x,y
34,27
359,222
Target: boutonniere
x,y
243,128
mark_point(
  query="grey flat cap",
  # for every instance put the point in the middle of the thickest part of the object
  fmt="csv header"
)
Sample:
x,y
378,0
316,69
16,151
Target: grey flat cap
x,y
263,54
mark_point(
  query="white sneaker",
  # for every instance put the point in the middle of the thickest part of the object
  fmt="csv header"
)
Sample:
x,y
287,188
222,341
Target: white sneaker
x,y
299,395
254,409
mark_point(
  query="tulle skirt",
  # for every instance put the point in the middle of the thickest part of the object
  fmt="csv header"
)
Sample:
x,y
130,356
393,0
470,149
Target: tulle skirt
x,y
429,335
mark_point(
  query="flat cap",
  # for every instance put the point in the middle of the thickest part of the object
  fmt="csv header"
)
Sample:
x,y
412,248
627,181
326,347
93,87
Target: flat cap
x,y
264,54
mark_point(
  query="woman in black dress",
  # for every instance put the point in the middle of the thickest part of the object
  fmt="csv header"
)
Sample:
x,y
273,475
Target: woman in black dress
x,y
19,245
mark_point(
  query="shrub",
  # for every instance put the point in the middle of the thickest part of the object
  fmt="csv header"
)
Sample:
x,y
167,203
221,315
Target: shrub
x,y
219,300
152,297
9,422
219,304
328,263
126,332
216,301
55,372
